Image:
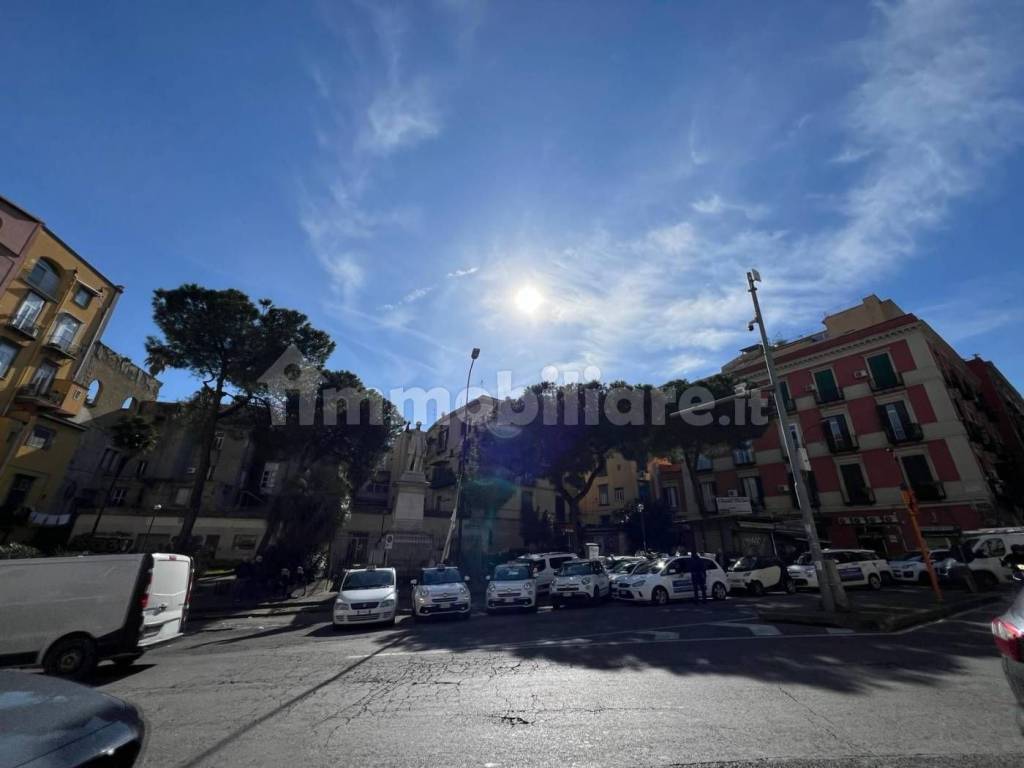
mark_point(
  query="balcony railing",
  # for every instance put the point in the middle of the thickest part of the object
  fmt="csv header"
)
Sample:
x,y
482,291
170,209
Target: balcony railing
x,y
832,396
930,491
840,443
24,325
907,433
40,394
888,382
858,497
63,344
704,464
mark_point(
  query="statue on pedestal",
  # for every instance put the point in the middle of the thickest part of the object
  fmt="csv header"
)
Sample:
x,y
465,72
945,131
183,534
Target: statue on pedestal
x,y
417,449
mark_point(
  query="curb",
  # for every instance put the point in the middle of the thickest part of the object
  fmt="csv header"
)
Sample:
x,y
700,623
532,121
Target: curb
x,y
241,613
875,622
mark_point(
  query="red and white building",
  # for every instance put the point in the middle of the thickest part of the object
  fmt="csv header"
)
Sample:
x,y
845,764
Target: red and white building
x,y
878,399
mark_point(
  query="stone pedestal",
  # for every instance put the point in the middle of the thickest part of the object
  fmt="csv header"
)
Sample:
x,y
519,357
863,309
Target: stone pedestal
x,y
410,500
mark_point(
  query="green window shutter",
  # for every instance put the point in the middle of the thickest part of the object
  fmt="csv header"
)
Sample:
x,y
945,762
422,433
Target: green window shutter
x,y
882,372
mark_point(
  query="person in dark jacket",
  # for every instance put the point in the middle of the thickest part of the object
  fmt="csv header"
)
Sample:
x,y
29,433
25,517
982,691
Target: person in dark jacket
x,y
699,577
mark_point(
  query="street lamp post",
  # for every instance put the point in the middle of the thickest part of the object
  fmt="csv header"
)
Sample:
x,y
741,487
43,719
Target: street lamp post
x,y
152,519
464,435
643,524
832,592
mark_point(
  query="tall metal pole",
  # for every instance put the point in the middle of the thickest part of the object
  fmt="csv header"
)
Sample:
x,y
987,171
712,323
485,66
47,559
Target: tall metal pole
x,y
910,502
830,592
464,437
643,524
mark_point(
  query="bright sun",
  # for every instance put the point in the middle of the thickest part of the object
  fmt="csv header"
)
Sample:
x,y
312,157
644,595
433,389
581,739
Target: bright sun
x,y
528,299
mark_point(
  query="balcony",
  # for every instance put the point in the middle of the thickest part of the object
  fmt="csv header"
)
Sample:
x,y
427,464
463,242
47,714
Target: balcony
x,y
881,384
840,443
831,396
905,433
62,345
859,497
62,395
743,457
704,464
39,395
26,326
932,490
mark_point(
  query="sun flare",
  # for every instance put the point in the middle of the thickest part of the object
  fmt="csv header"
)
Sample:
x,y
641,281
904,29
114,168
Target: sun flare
x,y
528,300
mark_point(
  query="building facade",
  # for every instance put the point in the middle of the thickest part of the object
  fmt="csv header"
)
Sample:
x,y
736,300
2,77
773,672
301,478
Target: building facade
x,y
879,400
52,313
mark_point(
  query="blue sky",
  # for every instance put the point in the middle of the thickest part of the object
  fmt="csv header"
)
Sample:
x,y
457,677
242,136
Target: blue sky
x,y
560,184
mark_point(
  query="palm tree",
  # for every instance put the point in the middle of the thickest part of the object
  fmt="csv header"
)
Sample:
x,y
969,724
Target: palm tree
x,y
132,436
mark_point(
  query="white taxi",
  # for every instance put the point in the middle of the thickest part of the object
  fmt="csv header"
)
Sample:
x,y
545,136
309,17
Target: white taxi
x,y
367,596
757,574
659,581
512,586
856,568
580,580
440,591
911,568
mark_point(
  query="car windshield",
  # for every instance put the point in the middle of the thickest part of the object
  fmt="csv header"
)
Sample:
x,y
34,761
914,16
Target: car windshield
x,y
910,557
441,576
511,573
744,564
368,580
574,569
624,567
655,566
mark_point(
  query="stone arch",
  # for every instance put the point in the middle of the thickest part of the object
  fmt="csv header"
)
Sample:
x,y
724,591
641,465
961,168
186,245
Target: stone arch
x,y
93,393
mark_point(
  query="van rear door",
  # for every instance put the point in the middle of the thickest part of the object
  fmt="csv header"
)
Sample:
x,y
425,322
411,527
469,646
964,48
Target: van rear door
x,y
164,614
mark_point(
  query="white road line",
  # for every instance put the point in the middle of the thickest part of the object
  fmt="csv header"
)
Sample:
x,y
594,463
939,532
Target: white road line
x,y
760,630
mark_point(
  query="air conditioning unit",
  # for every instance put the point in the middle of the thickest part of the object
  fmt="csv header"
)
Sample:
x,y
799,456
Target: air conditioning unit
x,y
860,374
732,494
782,488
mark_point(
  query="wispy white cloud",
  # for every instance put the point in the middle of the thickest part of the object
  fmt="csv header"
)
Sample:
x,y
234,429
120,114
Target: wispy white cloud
x,y
851,154
714,204
463,272
399,117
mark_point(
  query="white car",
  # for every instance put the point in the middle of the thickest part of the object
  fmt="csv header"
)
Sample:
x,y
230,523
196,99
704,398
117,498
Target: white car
x,y
367,596
580,580
512,586
659,581
757,574
857,567
544,566
440,591
911,568
622,570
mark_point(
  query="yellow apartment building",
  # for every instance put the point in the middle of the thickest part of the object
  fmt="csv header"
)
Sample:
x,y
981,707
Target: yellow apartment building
x,y
53,311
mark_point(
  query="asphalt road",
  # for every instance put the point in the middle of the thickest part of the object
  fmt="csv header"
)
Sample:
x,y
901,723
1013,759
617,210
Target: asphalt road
x,y
612,685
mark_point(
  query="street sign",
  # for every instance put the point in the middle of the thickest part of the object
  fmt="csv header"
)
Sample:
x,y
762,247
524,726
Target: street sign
x,y
389,540
733,505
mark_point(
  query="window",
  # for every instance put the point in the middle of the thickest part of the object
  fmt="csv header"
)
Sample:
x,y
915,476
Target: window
x,y
602,495
670,495
743,454
45,278
41,438
268,480
857,491
526,501
129,403
107,460
620,494
752,489
83,296
606,519
825,387
992,548
794,431
442,439
43,378
920,478
7,354
704,463
245,542
210,470
93,393
18,493
883,374
210,542
64,332
181,497
218,441
787,398
837,434
141,467
117,496
708,493
897,423
28,313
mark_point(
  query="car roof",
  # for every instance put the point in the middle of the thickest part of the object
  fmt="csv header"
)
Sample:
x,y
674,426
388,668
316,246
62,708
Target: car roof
x,y
361,570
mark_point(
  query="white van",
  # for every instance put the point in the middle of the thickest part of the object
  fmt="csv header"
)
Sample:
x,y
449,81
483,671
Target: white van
x,y
69,613
544,566
986,548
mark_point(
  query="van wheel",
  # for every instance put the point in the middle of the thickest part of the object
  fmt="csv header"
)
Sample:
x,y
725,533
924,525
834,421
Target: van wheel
x,y
874,582
659,596
756,588
718,591
72,657
790,586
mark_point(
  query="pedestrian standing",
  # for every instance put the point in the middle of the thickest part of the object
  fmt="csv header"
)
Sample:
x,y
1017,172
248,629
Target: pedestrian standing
x,y
698,577
286,580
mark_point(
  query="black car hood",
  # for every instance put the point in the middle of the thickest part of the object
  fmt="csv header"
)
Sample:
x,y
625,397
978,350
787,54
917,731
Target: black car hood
x,y
42,714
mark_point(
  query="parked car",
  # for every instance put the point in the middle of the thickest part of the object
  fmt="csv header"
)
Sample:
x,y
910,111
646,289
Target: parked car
x,y
51,723
757,574
580,580
857,567
1008,631
623,569
367,596
440,590
69,613
983,552
911,567
544,566
511,586
659,581
879,563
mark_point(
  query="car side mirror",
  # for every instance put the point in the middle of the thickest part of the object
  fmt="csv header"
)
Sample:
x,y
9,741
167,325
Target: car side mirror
x,y
465,578
413,582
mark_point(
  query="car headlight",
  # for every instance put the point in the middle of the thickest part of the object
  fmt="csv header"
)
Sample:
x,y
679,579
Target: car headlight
x,y
639,583
463,589
492,587
585,580
528,587
421,597
340,605
387,603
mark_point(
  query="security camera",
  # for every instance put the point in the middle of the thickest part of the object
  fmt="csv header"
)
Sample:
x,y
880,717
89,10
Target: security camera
x,y
750,326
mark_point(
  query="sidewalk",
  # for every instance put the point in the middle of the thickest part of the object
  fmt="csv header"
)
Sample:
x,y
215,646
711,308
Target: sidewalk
x,y
214,598
888,610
